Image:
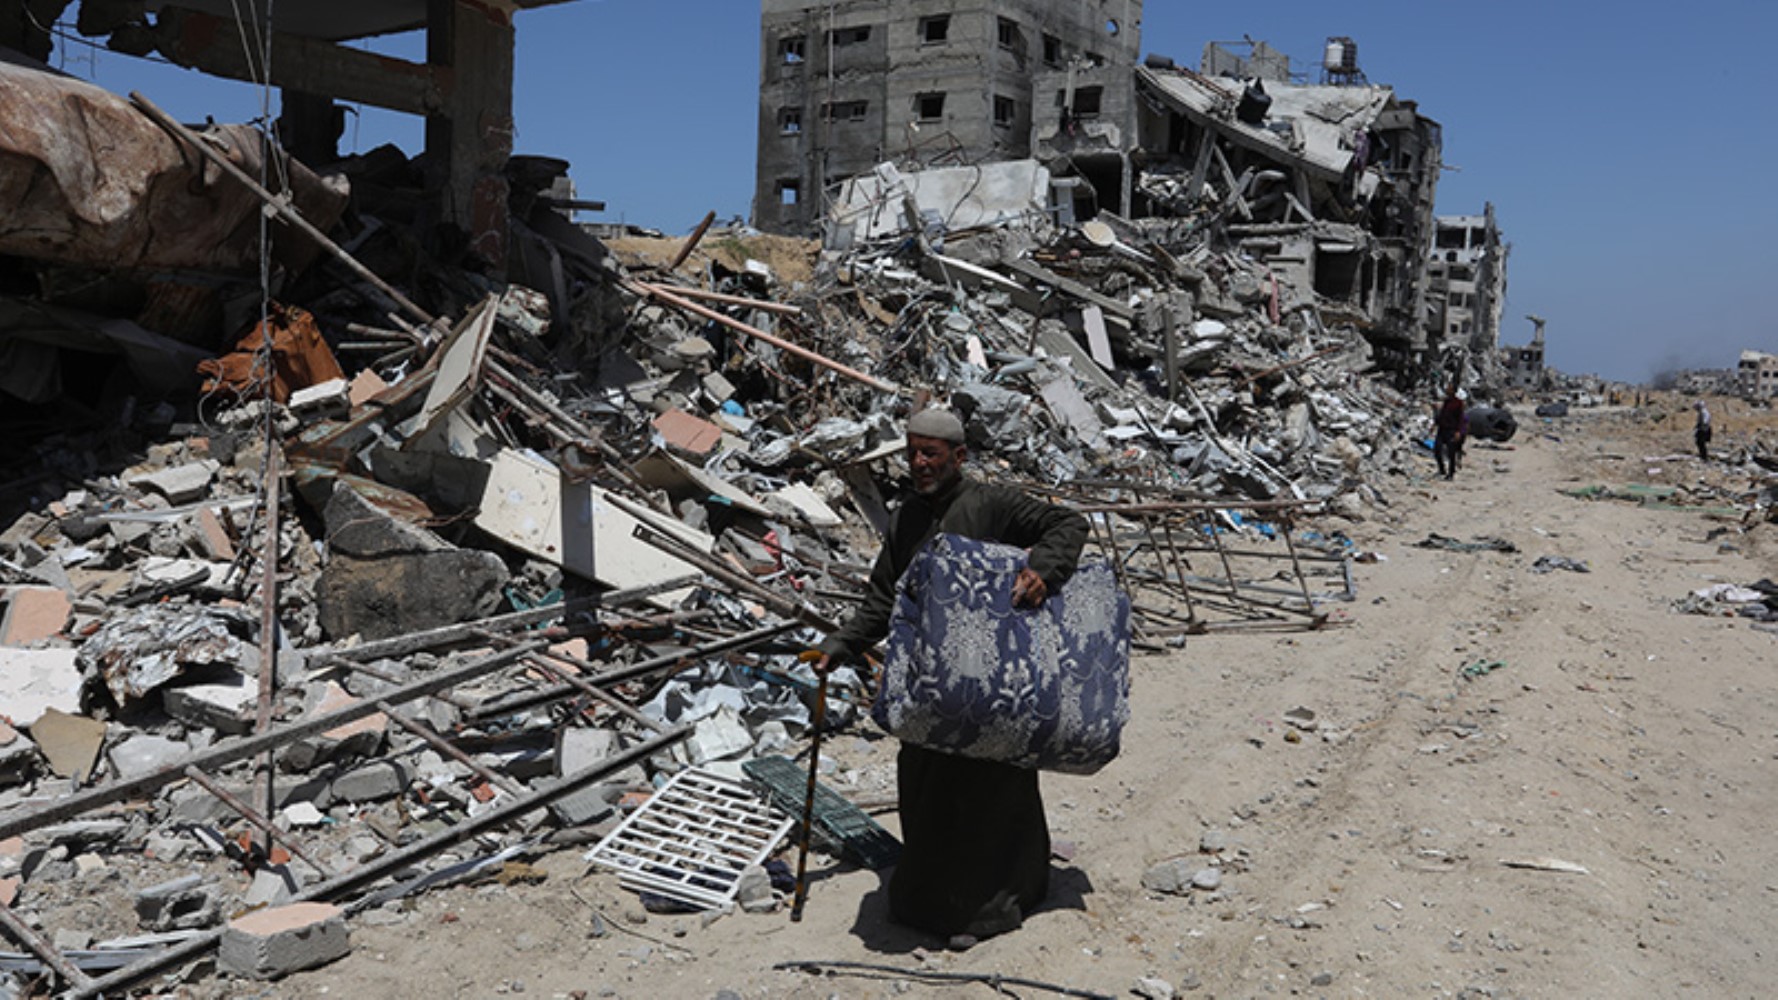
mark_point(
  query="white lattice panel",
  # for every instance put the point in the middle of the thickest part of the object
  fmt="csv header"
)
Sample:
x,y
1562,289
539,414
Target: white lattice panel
x,y
692,839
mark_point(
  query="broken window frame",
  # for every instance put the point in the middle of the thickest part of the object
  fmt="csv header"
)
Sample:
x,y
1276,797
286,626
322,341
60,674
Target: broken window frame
x,y
789,191
1010,35
1006,111
840,38
844,111
1088,101
793,50
929,106
935,29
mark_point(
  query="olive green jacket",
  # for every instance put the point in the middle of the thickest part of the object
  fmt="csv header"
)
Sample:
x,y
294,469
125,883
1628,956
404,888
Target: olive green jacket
x,y
985,511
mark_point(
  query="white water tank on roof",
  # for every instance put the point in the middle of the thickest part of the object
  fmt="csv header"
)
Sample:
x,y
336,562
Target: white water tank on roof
x,y
1341,55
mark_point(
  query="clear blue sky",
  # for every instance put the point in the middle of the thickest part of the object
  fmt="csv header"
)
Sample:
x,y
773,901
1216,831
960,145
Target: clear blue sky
x,y
1628,150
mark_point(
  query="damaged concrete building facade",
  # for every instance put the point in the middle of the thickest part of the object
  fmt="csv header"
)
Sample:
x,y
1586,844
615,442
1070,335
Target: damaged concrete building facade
x,y
1756,375
1331,186
1467,275
847,85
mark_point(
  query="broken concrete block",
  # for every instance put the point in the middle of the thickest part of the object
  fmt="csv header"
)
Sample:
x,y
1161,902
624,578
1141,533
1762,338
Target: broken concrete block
x,y
302,814
71,743
145,753
229,705
272,885
358,738
717,388
385,577
33,681
753,890
357,527
1173,876
395,595
587,806
329,398
384,779
33,613
179,483
182,904
266,944
210,538
578,749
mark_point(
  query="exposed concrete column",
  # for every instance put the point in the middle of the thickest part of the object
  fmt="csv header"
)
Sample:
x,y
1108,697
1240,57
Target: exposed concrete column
x,y
469,142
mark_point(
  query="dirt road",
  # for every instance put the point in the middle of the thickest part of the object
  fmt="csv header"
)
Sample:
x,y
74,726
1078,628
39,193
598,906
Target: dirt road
x,y
1377,855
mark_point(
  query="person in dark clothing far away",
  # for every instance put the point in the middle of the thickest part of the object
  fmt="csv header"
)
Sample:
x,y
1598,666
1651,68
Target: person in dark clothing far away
x,y
975,842
1701,431
1449,428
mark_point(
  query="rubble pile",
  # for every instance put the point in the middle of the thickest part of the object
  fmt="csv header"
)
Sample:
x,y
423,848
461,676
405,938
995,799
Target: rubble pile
x,y
478,560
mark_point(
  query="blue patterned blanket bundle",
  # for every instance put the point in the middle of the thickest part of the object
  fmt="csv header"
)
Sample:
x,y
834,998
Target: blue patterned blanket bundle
x,y
969,674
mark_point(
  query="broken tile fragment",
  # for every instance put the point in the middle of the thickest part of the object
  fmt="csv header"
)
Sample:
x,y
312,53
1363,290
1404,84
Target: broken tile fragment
x,y
33,614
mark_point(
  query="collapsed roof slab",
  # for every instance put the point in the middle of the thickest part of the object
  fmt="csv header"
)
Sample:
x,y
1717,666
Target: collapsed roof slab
x,y
1323,120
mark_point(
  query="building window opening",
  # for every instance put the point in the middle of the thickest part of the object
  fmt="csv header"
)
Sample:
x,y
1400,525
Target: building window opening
x,y
790,121
789,193
843,37
1112,27
1336,273
935,30
1009,35
1087,101
844,111
929,107
1005,110
791,49
1052,50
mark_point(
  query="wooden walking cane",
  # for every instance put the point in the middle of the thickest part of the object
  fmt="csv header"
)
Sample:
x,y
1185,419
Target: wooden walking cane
x,y
802,854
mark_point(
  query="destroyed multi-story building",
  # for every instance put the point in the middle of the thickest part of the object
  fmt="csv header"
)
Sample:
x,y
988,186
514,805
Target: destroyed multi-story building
x,y
847,85
1756,376
1331,185
1467,281
1524,365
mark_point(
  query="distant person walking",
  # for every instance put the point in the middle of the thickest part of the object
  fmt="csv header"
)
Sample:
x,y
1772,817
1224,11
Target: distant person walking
x,y
1449,427
1701,430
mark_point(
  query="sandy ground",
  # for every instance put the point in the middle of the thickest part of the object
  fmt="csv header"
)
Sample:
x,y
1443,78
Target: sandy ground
x,y
1366,858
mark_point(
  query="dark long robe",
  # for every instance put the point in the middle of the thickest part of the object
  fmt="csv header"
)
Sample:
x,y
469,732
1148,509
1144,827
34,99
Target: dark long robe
x,y
975,843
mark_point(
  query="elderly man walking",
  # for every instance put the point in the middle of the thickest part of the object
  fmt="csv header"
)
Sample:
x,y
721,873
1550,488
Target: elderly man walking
x,y
975,843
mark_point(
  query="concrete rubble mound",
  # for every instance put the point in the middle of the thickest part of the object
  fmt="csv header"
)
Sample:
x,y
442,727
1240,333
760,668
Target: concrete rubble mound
x,y
422,569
